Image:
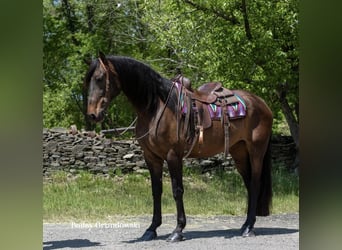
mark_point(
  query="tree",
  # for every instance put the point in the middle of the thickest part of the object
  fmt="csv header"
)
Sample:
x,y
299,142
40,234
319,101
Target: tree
x,y
74,31
251,45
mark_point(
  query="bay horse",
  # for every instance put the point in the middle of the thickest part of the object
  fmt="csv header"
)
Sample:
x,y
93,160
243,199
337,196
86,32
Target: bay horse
x,y
155,99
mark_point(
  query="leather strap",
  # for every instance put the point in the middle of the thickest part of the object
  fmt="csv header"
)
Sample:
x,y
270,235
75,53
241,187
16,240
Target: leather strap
x,y
225,125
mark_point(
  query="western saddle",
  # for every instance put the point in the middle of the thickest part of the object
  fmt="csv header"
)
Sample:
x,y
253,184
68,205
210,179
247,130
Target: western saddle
x,y
208,93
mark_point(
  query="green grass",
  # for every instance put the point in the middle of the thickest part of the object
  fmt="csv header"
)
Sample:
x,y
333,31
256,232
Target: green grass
x,y
89,197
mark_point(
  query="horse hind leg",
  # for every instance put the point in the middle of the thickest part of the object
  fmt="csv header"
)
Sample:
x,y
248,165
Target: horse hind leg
x,y
253,187
259,187
242,161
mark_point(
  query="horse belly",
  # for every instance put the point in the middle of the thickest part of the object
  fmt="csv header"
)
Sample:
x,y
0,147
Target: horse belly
x,y
213,142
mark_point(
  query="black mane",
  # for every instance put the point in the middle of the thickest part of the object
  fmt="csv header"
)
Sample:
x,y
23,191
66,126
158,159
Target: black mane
x,y
140,83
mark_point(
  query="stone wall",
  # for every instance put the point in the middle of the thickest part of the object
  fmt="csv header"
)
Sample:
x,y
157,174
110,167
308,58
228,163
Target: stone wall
x,y
72,151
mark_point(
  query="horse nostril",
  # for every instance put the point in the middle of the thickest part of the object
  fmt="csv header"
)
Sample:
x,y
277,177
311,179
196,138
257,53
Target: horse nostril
x,y
92,117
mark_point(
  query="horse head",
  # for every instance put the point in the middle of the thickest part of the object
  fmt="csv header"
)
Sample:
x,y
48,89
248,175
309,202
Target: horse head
x,y
102,85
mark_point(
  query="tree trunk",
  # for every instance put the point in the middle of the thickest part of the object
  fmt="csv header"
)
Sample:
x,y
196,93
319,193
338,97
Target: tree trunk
x,y
246,21
291,120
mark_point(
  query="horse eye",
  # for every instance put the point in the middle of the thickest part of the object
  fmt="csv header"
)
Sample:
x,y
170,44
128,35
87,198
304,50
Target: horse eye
x,y
99,78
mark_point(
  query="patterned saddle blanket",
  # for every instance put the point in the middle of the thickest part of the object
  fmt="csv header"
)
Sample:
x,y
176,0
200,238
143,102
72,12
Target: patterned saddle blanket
x,y
234,110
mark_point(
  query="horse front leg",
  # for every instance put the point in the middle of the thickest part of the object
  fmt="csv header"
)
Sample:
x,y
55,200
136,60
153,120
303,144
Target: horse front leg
x,y
175,168
156,172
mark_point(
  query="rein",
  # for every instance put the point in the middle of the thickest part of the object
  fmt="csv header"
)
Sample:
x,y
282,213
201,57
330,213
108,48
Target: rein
x,y
159,115
107,97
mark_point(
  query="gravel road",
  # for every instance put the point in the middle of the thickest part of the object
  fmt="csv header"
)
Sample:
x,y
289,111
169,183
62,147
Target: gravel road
x,y
280,232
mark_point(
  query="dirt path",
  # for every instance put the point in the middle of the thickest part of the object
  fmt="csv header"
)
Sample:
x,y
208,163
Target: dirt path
x,y
279,232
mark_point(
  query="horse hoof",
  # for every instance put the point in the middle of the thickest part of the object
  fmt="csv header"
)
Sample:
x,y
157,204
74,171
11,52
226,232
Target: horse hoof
x,y
175,237
248,232
149,235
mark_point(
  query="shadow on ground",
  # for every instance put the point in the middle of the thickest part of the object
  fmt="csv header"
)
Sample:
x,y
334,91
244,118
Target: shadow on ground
x,y
230,233
75,243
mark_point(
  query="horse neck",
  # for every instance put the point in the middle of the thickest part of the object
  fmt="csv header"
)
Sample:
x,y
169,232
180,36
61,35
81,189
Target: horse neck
x,y
143,87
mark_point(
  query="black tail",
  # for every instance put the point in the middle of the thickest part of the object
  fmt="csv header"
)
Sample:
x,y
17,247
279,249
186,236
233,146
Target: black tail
x,y
265,195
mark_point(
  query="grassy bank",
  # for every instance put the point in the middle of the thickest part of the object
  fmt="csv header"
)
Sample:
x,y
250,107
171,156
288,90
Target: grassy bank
x,y
89,197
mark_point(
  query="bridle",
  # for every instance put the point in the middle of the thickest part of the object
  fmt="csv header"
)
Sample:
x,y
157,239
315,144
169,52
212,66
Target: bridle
x,y
113,71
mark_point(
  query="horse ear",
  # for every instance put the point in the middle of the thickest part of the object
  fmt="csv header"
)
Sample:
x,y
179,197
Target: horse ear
x,y
102,57
87,61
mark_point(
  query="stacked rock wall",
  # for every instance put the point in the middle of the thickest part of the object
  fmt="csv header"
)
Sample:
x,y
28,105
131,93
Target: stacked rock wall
x,y
73,151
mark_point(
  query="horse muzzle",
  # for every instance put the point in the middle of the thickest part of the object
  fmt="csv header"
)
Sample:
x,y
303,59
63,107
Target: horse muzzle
x,y
96,110
96,117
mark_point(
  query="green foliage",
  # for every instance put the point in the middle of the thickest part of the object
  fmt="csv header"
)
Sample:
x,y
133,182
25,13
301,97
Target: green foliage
x,y
207,40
